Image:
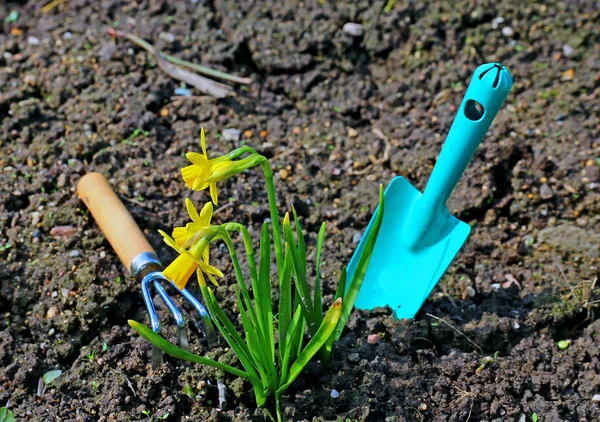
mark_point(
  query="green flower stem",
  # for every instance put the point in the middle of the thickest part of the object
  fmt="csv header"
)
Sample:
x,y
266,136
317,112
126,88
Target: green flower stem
x,y
266,168
237,227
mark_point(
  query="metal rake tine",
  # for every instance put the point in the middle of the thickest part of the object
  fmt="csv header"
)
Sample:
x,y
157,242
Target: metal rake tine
x,y
181,331
154,323
209,328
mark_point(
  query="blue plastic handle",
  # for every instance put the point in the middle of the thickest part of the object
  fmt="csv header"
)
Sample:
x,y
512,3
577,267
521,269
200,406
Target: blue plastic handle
x,y
485,94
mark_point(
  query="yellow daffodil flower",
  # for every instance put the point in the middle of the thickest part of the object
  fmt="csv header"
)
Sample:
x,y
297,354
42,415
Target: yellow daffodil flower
x,y
188,261
199,222
196,176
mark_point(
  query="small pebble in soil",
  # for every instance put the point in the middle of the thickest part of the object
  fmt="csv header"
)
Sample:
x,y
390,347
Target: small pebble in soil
x,y
353,358
373,338
67,35
356,238
546,191
52,312
30,80
74,254
596,397
470,291
61,181
497,21
231,135
352,133
62,231
283,173
516,325
354,29
507,31
51,332
567,50
334,394
64,292
35,218
33,40
167,36
102,254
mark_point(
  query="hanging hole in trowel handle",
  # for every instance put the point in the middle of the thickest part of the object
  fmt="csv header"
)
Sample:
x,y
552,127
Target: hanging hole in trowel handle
x,y
474,111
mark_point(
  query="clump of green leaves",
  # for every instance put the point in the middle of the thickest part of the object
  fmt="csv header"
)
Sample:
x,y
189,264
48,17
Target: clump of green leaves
x,y
272,350
486,361
46,380
6,415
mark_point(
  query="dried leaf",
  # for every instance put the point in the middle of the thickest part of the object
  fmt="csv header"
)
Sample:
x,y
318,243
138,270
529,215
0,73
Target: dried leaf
x,y
202,84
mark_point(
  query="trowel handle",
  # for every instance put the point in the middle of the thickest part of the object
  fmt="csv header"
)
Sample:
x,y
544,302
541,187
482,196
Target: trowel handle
x,y
485,94
112,217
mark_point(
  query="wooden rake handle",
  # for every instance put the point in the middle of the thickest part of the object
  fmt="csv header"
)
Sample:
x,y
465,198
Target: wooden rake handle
x,y
112,217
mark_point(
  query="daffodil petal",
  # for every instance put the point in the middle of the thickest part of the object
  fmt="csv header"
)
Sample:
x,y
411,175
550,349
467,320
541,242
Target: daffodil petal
x,y
209,269
167,239
201,280
214,194
212,280
197,159
203,142
206,214
191,209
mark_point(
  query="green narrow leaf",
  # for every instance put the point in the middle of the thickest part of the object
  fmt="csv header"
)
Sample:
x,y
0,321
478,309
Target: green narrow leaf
x,y
300,278
257,347
238,273
285,302
291,337
361,268
246,323
262,292
178,353
225,326
318,301
326,328
236,343
325,352
249,306
301,241
260,359
341,288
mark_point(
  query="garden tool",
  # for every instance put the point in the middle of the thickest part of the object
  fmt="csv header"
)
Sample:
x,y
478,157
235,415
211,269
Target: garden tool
x,y
418,237
137,255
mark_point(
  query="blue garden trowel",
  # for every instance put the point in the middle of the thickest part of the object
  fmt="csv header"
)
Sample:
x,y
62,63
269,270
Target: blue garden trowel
x,y
418,237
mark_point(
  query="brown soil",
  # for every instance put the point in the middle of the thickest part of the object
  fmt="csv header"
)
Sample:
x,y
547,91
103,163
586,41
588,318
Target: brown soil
x,y
523,281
